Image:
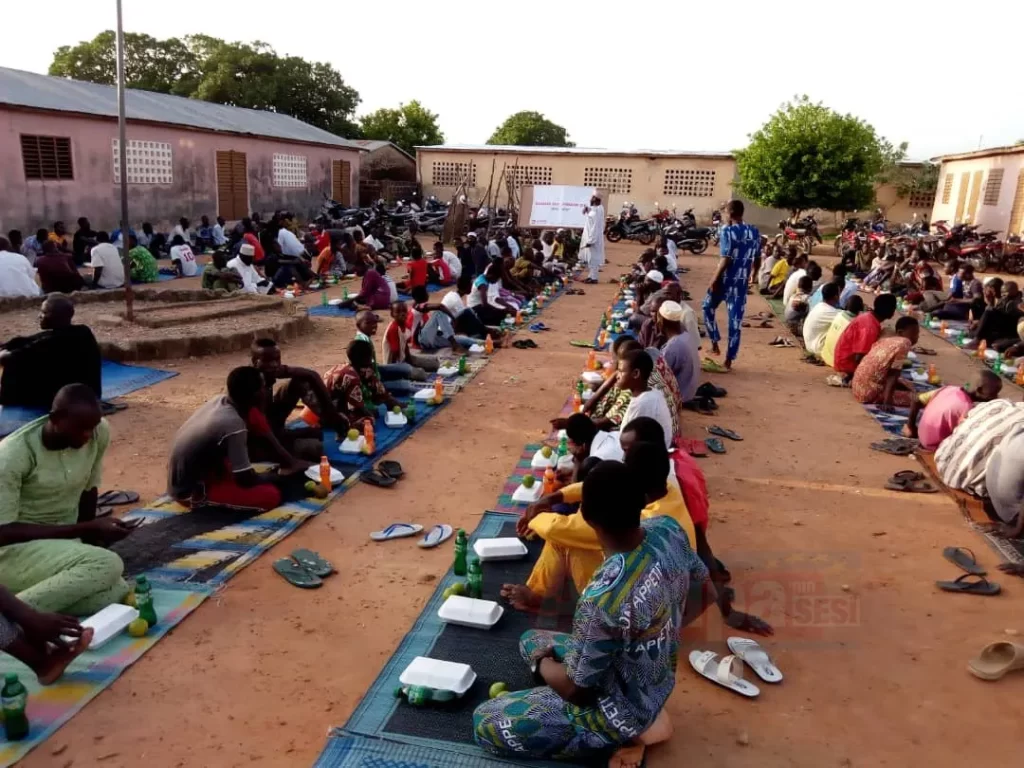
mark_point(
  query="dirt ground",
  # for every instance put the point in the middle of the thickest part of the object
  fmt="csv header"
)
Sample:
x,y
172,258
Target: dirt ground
x,y
874,656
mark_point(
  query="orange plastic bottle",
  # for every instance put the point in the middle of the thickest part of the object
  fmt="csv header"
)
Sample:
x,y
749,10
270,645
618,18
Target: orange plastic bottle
x,y
438,389
519,317
577,402
933,374
370,447
982,346
1020,375
325,472
549,482
489,345
591,360
603,338
942,326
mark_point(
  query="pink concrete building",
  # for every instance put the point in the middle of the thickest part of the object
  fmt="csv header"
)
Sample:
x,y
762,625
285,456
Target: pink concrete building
x,y
59,157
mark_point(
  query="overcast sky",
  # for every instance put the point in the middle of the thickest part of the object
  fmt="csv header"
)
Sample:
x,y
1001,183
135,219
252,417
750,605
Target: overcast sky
x,y
944,76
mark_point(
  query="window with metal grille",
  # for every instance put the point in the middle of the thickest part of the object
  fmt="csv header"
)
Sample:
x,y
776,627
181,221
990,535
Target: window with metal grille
x,y
532,174
618,181
289,171
149,162
47,157
688,182
993,184
921,198
448,174
947,188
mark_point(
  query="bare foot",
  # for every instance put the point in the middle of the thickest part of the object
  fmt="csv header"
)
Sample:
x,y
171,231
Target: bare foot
x,y
51,669
632,755
521,597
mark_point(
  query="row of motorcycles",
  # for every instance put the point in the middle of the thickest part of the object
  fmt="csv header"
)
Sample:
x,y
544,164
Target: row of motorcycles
x,y
982,249
682,230
395,219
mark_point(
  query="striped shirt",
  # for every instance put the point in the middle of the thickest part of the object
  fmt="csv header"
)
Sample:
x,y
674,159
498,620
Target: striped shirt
x,y
963,456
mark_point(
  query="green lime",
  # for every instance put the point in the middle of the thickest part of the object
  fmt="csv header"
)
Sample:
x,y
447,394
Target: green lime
x,y
498,689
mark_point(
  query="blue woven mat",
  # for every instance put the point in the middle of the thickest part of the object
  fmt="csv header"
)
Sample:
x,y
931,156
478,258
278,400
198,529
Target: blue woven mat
x,y
351,751
386,438
117,380
321,311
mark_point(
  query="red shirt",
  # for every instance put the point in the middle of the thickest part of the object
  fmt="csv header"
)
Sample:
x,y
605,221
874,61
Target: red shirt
x,y
417,273
858,338
254,241
693,486
323,240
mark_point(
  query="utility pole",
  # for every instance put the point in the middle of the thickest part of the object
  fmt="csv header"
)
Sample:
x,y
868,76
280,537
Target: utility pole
x,y
122,153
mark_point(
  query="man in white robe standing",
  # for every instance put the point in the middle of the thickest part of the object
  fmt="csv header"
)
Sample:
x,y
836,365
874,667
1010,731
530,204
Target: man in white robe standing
x,y
592,241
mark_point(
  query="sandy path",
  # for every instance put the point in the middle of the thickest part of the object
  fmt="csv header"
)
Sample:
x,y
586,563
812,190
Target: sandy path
x,y
875,675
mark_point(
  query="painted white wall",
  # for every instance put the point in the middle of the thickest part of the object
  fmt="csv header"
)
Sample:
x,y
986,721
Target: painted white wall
x,y
996,216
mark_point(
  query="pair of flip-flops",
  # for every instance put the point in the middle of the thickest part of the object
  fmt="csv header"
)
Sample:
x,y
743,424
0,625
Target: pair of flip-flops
x,y
812,359
909,481
781,341
973,581
757,324
727,671
384,475
714,429
107,500
897,446
707,389
584,344
304,568
538,327
525,344
435,536
703,405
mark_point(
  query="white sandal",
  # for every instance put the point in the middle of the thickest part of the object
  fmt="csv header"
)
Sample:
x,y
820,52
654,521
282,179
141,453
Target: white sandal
x,y
727,672
756,658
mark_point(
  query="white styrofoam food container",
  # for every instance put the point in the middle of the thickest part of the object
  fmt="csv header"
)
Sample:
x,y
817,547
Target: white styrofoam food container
x,y
351,446
526,495
540,462
447,370
476,349
509,548
591,377
468,612
991,354
396,420
565,462
334,302
109,623
313,473
441,675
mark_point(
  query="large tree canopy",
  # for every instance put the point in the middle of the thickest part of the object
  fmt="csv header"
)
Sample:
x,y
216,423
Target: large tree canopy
x,y
807,156
249,75
410,125
530,129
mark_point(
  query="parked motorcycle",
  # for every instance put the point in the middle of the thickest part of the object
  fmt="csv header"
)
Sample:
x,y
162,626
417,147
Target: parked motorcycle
x,y
803,232
687,236
627,228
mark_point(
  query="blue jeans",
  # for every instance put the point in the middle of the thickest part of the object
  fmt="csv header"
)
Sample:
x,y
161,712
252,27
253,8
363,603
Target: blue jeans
x,y
438,331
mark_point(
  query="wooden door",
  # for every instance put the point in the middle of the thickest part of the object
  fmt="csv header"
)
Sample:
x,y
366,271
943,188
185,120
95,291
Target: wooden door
x,y
232,185
1017,211
972,206
341,181
961,197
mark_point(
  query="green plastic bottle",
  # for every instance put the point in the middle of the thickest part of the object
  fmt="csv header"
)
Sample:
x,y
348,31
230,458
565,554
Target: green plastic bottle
x,y
563,447
461,548
323,298
475,582
421,695
462,365
344,293
410,412
13,699
144,600
579,388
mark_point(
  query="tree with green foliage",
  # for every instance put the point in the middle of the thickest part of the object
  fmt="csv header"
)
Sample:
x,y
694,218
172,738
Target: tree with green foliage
x,y
409,126
808,156
207,68
530,129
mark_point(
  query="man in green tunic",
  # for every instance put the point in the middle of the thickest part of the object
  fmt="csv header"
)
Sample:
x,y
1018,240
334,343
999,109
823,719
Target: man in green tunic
x,y
51,546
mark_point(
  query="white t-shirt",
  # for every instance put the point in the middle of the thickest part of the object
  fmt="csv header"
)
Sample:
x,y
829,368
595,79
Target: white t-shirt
x,y
605,446
250,277
454,265
218,234
547,250
673,251
453,303
673,264
178,230
392,287
650,403
290,245
184,256
513,245
790,289
689,323
105,255
17,276
816,326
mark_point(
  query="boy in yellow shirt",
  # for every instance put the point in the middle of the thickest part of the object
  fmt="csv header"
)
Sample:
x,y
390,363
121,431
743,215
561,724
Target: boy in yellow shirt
x,y
854,306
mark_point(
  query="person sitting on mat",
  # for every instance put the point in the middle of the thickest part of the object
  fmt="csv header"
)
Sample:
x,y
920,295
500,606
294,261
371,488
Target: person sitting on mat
x,y
634,374
356,389
36,367
445,268
860,335
269,439
944,408
217,276
608,404
419,272
878,379
486,300
374,292
44,642
839,323
52,553
680,351
433,325
595,691
585,441
209,463
962,458
798,306
397,377
820,319
394,346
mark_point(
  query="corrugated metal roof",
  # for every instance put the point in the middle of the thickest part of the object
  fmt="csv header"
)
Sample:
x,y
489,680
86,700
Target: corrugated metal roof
x,y
1013,149
510,149
372,145
28,89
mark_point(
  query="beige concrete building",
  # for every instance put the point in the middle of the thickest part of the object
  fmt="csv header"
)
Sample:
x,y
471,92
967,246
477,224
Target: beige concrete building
x,y
648,178
985,187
